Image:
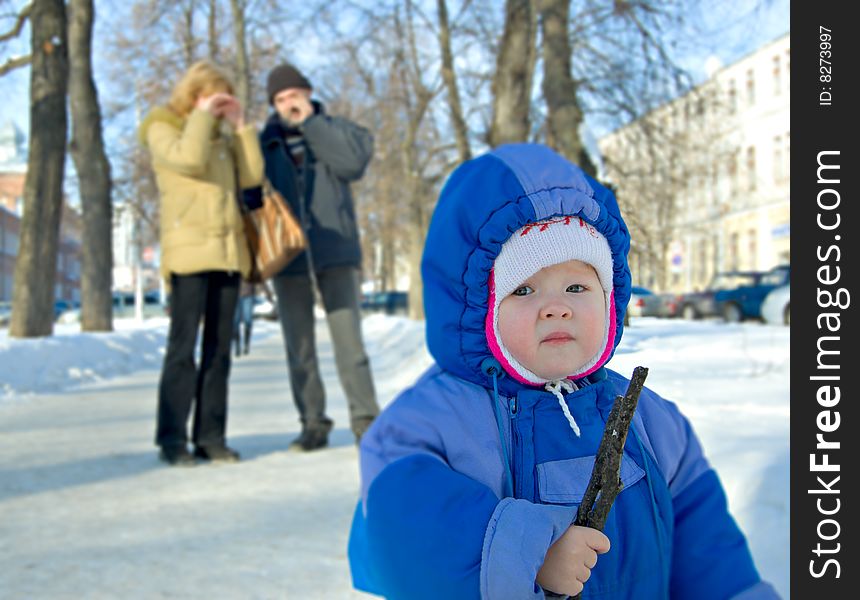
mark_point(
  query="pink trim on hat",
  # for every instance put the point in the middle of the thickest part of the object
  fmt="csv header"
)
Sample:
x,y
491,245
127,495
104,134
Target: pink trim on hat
x,y
496,350
492,342
610,339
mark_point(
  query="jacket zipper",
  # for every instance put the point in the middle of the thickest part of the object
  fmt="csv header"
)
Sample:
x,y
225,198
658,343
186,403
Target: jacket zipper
x,y
515,438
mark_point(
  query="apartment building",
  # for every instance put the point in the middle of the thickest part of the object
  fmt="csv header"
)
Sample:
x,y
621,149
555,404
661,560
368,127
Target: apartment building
x,y
711,190
13,174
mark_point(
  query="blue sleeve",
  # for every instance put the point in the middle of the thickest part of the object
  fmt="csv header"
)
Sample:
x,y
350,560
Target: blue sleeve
x,y
710,558
430,532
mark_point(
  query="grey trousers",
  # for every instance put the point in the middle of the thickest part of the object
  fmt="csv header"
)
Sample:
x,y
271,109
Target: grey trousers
x,y
339,290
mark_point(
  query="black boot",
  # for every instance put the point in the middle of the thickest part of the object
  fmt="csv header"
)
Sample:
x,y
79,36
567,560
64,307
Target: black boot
x,y
313,437
216,453
176,456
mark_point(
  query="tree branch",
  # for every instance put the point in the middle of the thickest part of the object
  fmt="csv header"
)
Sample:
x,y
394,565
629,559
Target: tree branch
x,y
15,63
19,24
605,480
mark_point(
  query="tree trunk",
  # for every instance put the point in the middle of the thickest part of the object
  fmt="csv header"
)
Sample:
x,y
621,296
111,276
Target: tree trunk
x,y
36,266
243,76
212,19
188,41
91,164
458,123
512,81
564,115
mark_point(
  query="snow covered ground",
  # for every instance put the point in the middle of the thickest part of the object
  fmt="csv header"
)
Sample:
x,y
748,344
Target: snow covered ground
x,y
87,511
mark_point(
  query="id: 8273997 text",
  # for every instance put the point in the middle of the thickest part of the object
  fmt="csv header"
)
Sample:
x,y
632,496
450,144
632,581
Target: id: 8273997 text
x,y
825,66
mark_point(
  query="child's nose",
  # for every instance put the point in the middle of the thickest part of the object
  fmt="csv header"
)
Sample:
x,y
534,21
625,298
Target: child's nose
x,y
556,310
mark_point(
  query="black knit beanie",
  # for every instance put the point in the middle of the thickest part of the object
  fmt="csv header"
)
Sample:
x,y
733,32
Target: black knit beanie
x,y
285,76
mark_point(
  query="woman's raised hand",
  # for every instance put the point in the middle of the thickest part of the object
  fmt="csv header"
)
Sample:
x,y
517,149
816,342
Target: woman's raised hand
x,y
221,104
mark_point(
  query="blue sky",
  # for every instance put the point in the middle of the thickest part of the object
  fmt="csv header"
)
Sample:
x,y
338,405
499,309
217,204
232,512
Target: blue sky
x,y
725,30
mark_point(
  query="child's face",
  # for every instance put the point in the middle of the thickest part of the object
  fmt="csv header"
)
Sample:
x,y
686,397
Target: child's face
x,y
554,322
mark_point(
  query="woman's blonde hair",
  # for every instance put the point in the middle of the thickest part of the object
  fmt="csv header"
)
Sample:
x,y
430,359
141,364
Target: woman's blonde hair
x,y
201,79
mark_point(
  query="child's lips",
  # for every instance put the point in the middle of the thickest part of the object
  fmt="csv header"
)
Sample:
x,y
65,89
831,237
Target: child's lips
x,y
557,337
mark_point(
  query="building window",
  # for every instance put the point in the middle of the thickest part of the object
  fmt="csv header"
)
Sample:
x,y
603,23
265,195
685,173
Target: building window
x,y
752,249
777,84
751,174
732,169
733,251
777,159
732,97
715,186
702,263
750,87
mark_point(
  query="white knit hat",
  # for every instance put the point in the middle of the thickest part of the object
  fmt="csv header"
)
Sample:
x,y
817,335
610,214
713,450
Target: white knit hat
x,y
532,248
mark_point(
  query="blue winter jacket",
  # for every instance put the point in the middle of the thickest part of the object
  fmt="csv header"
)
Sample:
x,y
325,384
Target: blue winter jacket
x,y
468,478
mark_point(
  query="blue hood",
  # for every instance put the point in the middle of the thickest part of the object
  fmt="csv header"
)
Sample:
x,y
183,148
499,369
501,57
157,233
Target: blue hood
x,y
483,202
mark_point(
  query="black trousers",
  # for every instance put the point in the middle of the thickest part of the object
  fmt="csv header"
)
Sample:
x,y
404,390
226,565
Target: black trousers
x,y
210,296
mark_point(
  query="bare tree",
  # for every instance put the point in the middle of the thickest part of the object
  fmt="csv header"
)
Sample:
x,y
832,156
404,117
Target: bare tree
x,y
16,62
36,266
243,74
564,116
458,122
212,21
512,80
91,164
664,163
189,40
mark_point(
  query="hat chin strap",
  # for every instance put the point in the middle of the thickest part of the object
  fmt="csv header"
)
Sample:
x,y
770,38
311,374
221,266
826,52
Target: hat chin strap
x,y
555,387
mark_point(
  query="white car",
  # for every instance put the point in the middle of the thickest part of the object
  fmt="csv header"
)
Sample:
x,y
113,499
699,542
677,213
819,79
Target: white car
x,y
775,308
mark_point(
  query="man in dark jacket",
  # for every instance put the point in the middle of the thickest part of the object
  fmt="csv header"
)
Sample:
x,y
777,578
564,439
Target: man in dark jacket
x,y
311,158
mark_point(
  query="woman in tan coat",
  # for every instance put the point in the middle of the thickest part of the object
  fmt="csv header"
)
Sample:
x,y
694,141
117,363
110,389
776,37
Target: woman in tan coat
x,y
200,145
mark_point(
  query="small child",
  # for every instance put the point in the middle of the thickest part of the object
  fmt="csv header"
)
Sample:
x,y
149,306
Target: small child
x,y
471,478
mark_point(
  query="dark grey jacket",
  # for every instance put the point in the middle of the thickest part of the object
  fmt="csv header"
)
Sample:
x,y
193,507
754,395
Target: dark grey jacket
x,y
337,152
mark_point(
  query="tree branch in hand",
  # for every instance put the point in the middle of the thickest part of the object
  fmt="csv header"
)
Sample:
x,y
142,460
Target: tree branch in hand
x,y
605,482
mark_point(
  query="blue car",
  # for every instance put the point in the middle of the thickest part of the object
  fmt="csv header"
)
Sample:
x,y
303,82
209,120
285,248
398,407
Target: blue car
x,y
745,301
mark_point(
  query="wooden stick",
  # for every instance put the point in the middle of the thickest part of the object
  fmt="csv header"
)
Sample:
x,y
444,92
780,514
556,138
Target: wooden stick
x,y
605,482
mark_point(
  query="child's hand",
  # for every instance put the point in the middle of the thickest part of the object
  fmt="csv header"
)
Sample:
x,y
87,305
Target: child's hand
x,y
569,560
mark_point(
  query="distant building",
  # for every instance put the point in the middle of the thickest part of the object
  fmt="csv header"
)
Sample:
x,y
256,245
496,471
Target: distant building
x,y
726,187
13,174
126,229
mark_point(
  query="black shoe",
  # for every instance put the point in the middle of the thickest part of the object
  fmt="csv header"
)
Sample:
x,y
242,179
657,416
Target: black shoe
x,y
216,453
176,456
312,438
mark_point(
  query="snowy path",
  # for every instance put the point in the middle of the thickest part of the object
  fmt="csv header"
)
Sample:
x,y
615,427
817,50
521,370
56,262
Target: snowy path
x,y
87,511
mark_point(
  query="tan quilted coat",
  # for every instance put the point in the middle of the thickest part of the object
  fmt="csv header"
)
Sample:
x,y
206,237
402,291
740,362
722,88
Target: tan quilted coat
x,y
195,168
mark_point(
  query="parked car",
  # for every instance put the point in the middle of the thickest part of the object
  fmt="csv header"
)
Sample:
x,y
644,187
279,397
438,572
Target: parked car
x,y
745,300
661,305
123,305
699,304
61,306
636,305
775,308
388,302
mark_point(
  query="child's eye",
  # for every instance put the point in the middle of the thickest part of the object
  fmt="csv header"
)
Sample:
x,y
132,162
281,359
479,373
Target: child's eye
x,y
523,290
576,288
